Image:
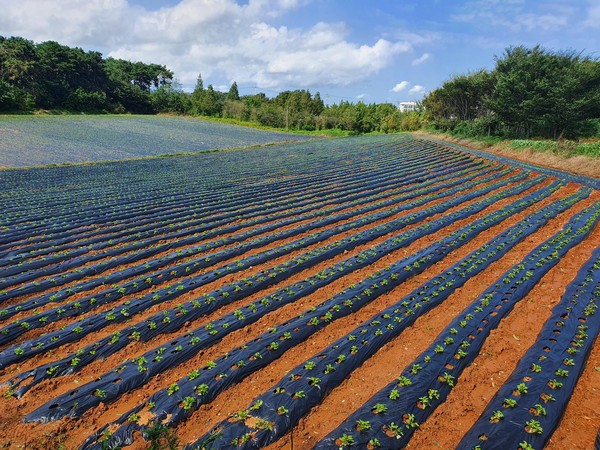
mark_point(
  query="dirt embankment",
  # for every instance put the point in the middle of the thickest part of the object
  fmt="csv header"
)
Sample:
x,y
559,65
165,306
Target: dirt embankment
x,y
578,165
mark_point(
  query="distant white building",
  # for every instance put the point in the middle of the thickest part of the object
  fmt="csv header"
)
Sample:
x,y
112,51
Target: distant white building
x,y
407,106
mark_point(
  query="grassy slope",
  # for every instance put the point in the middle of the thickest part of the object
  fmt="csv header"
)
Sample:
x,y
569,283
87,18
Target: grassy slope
x,y
27,141
547,154
578,159
329,133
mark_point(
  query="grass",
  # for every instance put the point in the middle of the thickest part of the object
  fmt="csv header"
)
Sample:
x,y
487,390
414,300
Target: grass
x,y
565,148
330,133
591,149
580,158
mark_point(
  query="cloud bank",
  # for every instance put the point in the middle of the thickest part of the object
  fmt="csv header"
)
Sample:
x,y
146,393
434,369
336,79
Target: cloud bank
x,y
221,39
518,16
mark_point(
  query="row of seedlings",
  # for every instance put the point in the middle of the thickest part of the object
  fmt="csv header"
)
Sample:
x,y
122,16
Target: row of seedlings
x,y
198,223
152,246
426,383
173,319
186,180
528,407
125,311
240,362
89,191
297,393
222,195
313,212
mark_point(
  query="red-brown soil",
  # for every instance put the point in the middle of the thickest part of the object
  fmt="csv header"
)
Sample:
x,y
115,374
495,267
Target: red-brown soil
x,y
444,429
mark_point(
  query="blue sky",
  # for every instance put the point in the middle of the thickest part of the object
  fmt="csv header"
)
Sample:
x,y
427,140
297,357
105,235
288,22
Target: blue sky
x,y
374,51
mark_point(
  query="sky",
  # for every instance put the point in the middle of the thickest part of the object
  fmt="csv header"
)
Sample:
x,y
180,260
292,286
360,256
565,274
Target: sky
x,y
373,51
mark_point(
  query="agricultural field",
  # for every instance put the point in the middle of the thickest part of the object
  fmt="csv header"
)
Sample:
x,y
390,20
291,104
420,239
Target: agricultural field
x,y
42,140
364,292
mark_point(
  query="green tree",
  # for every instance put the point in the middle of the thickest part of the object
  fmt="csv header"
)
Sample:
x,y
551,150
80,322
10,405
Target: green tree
x,y
13,98
317,106
197,96
462,98
410,121
131,84
206,102
518,95
170,98
51,75
57,64
233,94
83,100
572,95
18,74
235,109
270,115
550,94
18,62
346,117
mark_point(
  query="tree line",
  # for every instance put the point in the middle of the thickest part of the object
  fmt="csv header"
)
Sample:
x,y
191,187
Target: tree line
x,y
299,110
532,92
52,76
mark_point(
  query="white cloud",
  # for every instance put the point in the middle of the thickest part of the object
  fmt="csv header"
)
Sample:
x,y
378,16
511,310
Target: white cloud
x,y
546,22
223,40
420,60
592,19
71,22
517,15
400,86
295,60
421,38
416,89
403,85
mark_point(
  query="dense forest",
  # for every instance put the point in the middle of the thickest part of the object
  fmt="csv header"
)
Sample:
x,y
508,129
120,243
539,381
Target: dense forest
x,y
51,76
530,93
